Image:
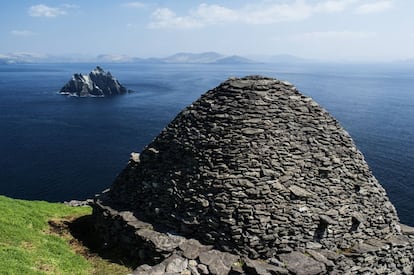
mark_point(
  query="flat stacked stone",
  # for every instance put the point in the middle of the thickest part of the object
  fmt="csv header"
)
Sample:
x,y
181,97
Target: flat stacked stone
x,y
257,169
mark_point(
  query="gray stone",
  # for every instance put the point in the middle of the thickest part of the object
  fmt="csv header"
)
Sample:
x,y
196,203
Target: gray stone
x,y
193,270
240,84
299,192
313,245
192,248
176,264
261,268
320,258
162,242
326,219
192,263
362,248
76,203
380,244
203,269
407,230
252,131
135,157
219,263
142,270
300,264
158,269
398,240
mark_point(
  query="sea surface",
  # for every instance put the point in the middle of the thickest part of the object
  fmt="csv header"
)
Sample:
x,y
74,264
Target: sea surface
x,y
57,148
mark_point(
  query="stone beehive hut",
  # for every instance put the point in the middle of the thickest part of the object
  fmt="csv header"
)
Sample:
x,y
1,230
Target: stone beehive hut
x,y
255,167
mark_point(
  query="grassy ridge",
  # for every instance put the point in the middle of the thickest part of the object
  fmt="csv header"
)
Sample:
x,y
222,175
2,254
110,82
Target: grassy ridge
x,y
26,245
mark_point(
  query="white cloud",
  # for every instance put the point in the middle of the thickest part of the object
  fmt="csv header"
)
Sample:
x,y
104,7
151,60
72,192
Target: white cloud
x,y
210,14
45,11
273,13
334,6
133,5
23,33
374,7
266,12
335,35
270,12
166,18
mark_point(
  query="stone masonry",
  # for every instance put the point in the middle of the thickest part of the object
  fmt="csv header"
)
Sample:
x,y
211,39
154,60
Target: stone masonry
x,y
256,169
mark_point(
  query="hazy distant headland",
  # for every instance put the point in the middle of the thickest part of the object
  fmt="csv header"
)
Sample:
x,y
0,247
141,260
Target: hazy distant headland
x,y
178,58
183,58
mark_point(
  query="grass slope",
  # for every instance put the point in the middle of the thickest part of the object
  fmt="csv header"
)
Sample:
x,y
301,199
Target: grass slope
x,y
27,245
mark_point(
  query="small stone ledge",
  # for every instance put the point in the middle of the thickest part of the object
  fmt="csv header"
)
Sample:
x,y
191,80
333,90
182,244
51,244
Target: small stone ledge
x,y
301,264
407,230
77,203
167,253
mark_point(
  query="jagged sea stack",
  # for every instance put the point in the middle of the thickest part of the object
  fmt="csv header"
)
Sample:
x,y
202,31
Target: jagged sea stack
x,y
256,168
97,83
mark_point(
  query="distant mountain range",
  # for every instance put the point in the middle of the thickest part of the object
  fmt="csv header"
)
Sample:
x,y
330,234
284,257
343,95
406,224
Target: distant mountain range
x,y
182,58
21,58
178,58
206,58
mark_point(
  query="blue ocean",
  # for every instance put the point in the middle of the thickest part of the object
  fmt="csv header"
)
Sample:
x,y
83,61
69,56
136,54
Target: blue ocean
x,y
57,148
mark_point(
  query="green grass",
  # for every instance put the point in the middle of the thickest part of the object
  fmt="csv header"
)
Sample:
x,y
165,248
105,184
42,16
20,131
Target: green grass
x,y
27,245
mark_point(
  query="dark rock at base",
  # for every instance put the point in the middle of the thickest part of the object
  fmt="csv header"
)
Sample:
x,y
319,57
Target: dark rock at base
x,y
192,249
97,83
301,264
219,263
255,267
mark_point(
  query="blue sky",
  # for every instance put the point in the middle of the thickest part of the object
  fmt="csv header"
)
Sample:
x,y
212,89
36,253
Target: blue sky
x,y
340,30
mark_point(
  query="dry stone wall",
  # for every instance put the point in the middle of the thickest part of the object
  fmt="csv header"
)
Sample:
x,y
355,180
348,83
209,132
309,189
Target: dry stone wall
x,y
257,169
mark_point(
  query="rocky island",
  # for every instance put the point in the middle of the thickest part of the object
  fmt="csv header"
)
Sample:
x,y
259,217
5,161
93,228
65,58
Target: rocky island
x,y
97,83
253,178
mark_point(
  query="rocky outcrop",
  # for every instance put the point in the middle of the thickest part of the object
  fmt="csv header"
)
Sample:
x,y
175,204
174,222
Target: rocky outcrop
x,y
97,83
255,170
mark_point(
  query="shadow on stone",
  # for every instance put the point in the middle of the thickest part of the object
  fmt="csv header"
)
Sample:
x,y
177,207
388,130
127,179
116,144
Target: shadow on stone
x,y
83,230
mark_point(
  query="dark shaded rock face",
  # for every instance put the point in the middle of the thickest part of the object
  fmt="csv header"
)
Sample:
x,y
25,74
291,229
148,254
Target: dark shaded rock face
x,y
257,169
97,83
